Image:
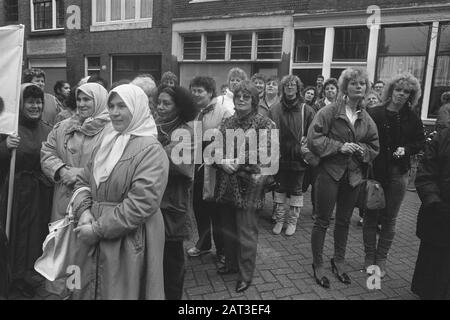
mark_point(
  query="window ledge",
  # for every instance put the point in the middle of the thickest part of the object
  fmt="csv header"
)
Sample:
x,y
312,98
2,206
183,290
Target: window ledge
x,y
121,25
200,1
47,32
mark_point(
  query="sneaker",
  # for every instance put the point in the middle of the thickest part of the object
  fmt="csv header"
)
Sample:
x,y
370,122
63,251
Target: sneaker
x,y
194,252
278,227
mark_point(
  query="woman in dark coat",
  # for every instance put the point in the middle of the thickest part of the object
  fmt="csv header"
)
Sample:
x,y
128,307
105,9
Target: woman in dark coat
x,y
32,190
292,116
401,136
240,183
175,109
431,278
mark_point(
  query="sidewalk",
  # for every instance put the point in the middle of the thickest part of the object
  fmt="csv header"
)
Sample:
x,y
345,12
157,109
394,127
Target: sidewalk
x,y
284,269
284,272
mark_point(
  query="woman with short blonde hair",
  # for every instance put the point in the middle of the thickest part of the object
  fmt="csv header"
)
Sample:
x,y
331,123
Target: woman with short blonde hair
x,y
345,138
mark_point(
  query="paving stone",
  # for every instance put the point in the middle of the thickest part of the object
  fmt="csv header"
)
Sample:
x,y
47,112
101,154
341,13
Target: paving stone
x,y
200,290
280,293
222,295
283,264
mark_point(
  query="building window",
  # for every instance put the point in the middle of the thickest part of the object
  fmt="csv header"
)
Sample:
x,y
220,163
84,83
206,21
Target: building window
x,y
241,46
121,11
92,66
308,76
47,14
215,46
12,10
269,45
402,49
128,67
226,46
351,44
309,45
441,78
192,47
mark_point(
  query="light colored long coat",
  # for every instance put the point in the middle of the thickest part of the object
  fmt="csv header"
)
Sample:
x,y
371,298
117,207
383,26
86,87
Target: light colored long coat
x,y
128,260
65,149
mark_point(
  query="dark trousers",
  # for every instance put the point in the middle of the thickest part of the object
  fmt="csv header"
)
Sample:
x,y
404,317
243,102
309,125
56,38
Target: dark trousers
x,y
394,192
329,193
174,269
240,239
289,182
206,214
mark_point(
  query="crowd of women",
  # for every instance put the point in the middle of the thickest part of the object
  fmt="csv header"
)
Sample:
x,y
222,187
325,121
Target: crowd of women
x,y
136,205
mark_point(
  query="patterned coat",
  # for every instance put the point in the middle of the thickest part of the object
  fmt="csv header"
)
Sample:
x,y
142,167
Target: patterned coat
x,y
244,189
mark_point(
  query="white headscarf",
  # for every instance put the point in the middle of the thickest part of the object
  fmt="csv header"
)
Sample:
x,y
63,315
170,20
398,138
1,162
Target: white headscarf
x,y
113,143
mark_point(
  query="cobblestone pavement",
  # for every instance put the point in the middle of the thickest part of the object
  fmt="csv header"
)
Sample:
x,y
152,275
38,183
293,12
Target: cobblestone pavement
x,y
283,265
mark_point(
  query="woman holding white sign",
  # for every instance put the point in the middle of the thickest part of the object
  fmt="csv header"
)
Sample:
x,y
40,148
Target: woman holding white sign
x,y
32,190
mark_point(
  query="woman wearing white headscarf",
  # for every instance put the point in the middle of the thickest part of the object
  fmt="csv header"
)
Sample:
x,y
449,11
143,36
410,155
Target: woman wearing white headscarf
x,y
69,147
120,216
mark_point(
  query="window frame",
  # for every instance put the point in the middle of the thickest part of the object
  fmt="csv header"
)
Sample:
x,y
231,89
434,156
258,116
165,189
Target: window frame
x,y
132,23
296,52
436,56
426,52
333,59
86,64
228,37
54,20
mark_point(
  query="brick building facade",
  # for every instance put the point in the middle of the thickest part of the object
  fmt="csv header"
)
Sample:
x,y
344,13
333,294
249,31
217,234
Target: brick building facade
x,y
122,48
117,39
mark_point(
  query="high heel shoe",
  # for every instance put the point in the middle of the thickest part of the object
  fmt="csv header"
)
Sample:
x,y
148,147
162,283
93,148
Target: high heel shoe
x,y
343,277
323,282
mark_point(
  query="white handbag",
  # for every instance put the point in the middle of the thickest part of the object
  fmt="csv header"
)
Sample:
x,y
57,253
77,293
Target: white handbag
x,y
57,256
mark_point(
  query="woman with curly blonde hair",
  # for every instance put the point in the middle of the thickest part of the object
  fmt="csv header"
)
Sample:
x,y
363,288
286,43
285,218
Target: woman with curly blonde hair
x,y
345,138
401,136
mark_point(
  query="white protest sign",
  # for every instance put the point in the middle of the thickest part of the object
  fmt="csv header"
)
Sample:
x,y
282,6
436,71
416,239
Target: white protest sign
x,y
11,52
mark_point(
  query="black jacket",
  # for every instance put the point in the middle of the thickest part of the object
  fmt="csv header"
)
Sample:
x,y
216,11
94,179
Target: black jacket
x,y
410,136
433,187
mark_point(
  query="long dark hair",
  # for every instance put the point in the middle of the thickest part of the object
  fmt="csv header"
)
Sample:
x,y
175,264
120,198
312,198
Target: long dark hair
x,y
186,107
2,105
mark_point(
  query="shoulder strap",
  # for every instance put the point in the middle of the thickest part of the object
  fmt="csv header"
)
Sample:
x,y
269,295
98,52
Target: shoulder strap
x,y
303,121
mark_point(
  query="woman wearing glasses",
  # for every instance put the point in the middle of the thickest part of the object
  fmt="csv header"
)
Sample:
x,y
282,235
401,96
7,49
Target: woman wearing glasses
x,y
240,184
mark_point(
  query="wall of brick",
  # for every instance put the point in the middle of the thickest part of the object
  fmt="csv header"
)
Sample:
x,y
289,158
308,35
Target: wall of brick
x,y
156,40
183,9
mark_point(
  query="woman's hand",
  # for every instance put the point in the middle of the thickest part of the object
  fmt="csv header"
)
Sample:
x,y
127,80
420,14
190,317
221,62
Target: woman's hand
x,y
400,152
86,218
229,168
12,142
86,234
69,176
349,148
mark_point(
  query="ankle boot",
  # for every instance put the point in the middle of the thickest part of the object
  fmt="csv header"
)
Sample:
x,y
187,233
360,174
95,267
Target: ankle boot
x,y
296,203
280,212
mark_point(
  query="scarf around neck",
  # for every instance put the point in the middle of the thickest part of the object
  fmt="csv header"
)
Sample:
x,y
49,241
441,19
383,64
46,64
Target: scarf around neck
x,y
114,143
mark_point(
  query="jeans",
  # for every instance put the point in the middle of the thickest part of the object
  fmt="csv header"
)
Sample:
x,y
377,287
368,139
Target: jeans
x,y
240,239
329,193
394,192
206,214
289,182
174,270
